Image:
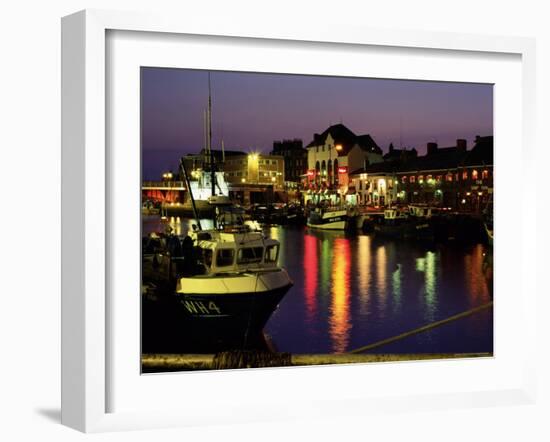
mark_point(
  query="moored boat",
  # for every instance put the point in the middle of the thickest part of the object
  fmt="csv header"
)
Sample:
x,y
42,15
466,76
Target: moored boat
x,y
328,219
399,224
233,280
331,218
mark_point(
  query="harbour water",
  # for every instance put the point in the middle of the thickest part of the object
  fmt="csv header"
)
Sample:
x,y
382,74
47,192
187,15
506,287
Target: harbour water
x,y
353,289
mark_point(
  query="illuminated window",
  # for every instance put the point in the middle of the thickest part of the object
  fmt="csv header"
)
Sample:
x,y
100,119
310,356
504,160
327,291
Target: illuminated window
x,y
420,178
465,175
485,174
404,179
412,179
449,177
474,174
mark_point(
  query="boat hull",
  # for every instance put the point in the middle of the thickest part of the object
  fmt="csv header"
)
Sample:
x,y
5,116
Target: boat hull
x,y
329,221
232,304
234,314
420,230
332,225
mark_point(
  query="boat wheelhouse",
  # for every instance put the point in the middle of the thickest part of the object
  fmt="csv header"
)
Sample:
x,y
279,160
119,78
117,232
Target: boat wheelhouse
x,y
234,278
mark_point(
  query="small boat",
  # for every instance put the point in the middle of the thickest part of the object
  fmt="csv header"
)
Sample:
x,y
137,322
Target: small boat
x,y
332,218
394,223
231,280
328,219
149,208
411,224
200,185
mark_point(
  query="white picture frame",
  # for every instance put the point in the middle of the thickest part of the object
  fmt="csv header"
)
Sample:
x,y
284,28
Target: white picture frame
x,y
86,318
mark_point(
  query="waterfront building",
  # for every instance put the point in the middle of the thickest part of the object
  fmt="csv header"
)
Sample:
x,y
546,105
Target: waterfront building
x,y
255,177
251,177
452,177
375,184
295,158
333,154
255,168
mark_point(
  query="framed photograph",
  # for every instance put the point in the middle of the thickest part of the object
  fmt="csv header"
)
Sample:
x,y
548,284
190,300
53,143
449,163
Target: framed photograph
x,y
281,223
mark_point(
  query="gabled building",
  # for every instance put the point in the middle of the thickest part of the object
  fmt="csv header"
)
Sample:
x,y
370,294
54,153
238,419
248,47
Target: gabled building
x,y
333,154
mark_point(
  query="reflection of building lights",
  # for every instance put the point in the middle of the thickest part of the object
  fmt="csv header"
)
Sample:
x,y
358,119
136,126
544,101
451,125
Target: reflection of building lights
x,y
311,276
468,193
480,193
340,324
243,180
463,201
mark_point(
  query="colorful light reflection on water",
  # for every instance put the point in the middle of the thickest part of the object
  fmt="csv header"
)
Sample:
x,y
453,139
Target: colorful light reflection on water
x,y
352,290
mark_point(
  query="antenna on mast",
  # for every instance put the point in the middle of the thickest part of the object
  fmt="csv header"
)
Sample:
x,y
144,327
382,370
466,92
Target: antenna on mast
x,y
400,131
212,173
204,129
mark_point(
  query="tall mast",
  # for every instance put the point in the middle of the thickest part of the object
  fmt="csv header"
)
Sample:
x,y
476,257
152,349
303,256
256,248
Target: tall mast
x,y
205,130
212,172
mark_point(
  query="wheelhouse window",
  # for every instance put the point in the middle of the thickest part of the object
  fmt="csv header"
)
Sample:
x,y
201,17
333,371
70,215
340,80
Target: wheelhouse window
x,y
225,257
248,255
271,253
207,257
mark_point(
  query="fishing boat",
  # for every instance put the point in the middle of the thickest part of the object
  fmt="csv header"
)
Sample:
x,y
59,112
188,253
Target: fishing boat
x,y
328,219
413,223
229,280
332,218
232,279
394,223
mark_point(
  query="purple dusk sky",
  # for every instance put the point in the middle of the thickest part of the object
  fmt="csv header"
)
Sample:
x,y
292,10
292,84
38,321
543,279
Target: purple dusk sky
x,y
251,110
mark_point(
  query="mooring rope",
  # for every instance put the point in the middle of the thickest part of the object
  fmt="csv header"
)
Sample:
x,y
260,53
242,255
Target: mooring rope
x,y
422,329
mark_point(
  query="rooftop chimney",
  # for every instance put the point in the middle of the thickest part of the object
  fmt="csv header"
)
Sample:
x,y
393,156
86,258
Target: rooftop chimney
x,y
461,144
432,148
